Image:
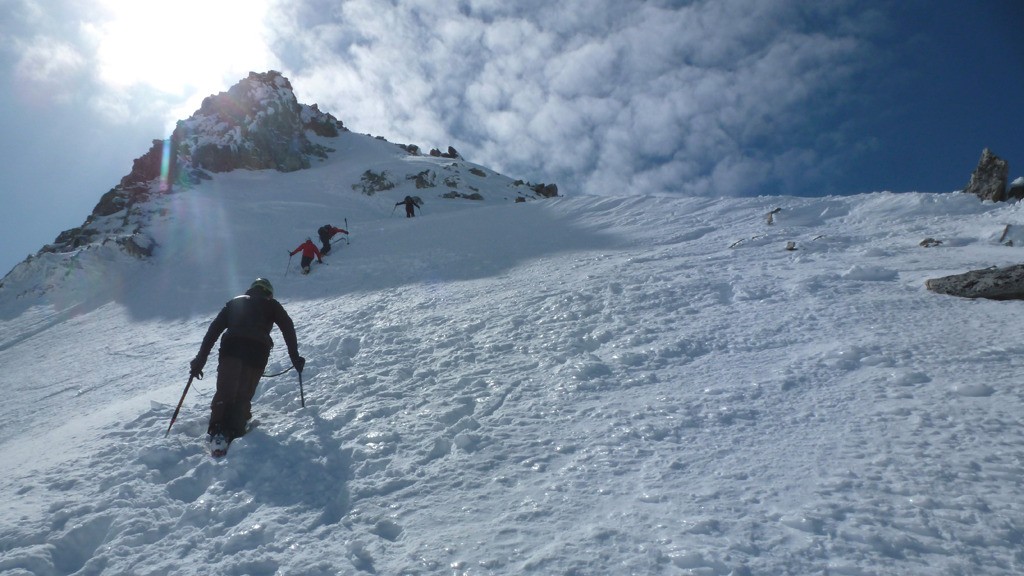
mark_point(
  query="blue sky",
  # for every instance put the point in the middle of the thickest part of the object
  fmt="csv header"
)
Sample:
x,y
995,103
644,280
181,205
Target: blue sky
x,y
713,98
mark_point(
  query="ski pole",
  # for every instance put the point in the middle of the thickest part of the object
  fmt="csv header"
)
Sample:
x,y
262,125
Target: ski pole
x,y
265,375
176,410
393,209
302,395
346,235
289,264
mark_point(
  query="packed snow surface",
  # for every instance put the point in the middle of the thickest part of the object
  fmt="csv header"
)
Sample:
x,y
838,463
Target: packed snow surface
x,y
580,385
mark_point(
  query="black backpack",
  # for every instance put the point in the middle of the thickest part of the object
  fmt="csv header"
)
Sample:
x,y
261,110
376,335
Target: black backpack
x,y
324,231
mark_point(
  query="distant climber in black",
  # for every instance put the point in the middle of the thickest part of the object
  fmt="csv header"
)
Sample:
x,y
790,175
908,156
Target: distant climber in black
x,y
410,205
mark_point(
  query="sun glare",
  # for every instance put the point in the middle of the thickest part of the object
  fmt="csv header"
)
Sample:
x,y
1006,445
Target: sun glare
x,y
180,47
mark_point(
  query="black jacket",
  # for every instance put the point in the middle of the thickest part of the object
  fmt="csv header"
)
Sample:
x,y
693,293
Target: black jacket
x,y
246,322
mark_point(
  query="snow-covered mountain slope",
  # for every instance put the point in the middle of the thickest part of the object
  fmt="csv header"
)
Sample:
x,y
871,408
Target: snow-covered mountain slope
x,y
579,385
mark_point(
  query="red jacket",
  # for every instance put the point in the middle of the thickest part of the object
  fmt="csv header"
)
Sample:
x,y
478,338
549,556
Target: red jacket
x,y
308,250
334,230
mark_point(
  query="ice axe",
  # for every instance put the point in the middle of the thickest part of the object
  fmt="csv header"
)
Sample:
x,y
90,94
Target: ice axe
x,y
180,402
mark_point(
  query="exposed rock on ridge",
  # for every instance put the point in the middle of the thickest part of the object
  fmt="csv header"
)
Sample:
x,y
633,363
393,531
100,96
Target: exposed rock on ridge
x,y
989,179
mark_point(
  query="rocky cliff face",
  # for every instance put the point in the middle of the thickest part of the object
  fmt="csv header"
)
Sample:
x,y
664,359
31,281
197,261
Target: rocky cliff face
x,y
257,124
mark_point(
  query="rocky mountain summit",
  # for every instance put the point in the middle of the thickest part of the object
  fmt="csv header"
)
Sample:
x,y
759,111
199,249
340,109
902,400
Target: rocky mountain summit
x,y
257,124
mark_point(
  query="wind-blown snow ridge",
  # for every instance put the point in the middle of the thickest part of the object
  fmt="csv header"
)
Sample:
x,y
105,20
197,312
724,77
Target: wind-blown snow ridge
x,y
579,385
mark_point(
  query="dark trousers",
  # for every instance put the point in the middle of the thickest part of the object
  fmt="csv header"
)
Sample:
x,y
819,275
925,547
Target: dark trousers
x,y
410,211
306,261
232,403
326,247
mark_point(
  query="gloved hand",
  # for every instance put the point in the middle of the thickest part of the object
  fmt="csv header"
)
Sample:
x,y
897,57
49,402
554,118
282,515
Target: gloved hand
x,y
299,362
195,367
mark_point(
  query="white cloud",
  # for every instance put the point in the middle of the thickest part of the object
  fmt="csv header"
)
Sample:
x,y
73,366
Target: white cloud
x,y
585,70
49,69
47,64
613,94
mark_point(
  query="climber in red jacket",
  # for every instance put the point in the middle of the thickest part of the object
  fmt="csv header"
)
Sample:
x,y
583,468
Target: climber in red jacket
x,y
308,251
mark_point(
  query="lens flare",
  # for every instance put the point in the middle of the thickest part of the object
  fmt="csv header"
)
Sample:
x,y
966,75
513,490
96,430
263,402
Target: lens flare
x,y
165,167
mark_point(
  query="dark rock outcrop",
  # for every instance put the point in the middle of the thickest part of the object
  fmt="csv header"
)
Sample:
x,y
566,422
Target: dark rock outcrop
x,y
451,153
546,190
1016,191
320,123
139,245
424,179
991,283
112,202
542,190
989,179
370,183
453,194
148,166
